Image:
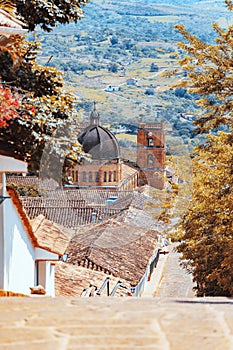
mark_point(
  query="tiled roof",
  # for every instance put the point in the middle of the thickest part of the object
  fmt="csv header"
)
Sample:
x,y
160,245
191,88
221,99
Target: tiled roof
x,y
49,235
71,280
72,208
122,249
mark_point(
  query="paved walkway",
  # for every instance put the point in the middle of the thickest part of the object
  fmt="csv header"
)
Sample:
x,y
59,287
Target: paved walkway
x,y
169,279
116,323
168,321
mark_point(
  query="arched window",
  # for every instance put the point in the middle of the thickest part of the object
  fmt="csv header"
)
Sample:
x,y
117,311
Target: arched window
x,y
73,175
105,176
97,177
150,161
114,176
150,139
90,176
76,176
109,176
84,176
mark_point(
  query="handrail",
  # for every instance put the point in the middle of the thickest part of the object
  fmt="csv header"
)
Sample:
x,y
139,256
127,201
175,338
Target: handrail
x,y
87,291
106,283
118,285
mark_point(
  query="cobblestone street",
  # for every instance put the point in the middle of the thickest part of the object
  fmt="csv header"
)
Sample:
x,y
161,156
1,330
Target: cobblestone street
x,y
175,281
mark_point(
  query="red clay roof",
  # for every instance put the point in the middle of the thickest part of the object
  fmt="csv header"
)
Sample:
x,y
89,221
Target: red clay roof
x,y
50,236
121,249
70,280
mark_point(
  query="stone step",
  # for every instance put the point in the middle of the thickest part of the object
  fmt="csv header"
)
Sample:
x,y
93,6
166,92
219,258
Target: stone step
x,y
116,323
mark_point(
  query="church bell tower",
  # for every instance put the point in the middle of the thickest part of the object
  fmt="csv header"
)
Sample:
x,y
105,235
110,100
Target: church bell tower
x,y
151,154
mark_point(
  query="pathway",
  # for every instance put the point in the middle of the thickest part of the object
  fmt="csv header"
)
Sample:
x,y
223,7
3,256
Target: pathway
x,y
116,323
169,279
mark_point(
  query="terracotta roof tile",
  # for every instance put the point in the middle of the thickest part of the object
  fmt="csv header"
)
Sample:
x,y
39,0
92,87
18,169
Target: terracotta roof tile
x,y
120,248
50,236
70,280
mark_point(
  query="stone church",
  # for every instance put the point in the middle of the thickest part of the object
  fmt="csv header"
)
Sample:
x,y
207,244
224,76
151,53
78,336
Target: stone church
x,y
106,169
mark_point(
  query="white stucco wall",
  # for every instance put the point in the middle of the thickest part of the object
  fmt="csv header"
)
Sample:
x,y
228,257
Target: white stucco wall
x,y
46,276
19,274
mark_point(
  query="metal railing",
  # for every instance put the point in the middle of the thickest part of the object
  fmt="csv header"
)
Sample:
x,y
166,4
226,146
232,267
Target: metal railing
x,y
93,291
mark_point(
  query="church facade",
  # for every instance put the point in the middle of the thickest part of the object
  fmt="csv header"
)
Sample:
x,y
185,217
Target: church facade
x,y
106,168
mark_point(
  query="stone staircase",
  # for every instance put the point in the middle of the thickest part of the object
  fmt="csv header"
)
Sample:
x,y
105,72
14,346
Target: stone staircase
x,y
116,323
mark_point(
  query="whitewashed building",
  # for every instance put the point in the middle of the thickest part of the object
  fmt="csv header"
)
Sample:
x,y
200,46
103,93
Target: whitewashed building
x,y
28,249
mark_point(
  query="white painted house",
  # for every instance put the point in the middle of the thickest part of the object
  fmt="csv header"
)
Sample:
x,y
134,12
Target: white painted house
x,y
28,250
111,88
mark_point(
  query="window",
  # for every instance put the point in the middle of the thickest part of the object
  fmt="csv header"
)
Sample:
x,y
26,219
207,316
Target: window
x,y
150,161
76,176
150,139
84,176
90,176
110,176
97,177
150,142
114,176
105,176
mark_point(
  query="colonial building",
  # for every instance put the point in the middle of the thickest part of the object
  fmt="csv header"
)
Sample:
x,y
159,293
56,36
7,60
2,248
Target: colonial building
x,y
106,169
28,249
151,154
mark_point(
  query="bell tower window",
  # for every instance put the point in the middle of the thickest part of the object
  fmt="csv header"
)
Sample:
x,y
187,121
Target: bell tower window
x,y
150,139
150,161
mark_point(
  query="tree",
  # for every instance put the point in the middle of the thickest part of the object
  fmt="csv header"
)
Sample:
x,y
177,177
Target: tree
x,y
54,121
45,134
206,229
207,239
47,13
180,92
150,91
114,40
8,106
113,68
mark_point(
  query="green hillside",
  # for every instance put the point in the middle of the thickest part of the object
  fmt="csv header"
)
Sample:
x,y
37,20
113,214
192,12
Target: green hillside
x,y
122,40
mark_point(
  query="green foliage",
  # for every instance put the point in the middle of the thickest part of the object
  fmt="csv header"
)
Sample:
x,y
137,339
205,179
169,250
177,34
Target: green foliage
x,y
55,110
207,240
113,68
26,191
206,230
149,91
180,92
47,13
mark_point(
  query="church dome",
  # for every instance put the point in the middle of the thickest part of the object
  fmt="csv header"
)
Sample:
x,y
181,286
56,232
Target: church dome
x,y
99,141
